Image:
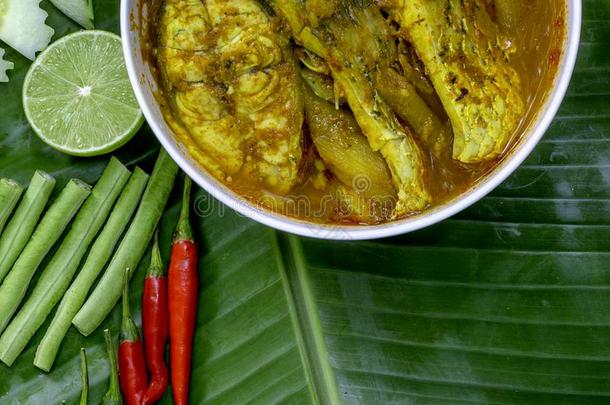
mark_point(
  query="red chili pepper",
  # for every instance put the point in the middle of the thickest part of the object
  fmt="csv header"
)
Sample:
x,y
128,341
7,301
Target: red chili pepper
x,y
132,366
155,325
183,288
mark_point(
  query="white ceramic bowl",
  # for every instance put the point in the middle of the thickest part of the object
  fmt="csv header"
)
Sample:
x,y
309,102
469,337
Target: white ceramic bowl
x,y
144,87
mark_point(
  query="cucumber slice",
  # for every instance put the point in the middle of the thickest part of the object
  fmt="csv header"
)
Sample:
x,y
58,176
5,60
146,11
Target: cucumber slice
x,y
22,26
4,66
80,11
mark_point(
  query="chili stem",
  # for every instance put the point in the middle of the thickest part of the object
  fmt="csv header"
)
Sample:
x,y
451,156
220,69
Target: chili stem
x,y
129,330
156,265
85,381
183,228
113,395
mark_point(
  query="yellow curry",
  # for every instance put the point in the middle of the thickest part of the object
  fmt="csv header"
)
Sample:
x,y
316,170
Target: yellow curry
x,y
353,111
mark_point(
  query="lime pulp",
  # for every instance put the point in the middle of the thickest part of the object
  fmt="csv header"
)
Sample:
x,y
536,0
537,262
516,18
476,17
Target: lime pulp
x,y
77,96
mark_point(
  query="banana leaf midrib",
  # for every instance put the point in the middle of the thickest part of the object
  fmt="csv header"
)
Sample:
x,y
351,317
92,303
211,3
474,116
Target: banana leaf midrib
x,y
305,318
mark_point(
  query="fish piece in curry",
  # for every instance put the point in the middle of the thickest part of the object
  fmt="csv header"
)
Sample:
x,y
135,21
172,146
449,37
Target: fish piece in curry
x,y
235,88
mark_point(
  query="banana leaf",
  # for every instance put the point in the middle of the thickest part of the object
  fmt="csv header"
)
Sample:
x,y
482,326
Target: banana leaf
x,y
508,302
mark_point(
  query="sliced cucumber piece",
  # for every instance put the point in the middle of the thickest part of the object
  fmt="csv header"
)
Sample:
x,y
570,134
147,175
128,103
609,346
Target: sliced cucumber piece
x,y
80,11
4,66
22,26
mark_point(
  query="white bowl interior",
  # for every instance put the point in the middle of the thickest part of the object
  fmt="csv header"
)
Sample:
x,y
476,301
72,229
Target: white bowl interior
x,y
145,86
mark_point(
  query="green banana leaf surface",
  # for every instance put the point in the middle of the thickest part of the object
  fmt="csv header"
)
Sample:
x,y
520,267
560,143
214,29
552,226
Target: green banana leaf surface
x,y
506,303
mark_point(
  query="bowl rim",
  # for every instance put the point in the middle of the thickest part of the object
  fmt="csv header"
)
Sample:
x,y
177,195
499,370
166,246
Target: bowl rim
x,y
245,207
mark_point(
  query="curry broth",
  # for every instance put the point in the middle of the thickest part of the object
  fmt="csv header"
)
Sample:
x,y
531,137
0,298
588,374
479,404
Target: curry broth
x,y
539,41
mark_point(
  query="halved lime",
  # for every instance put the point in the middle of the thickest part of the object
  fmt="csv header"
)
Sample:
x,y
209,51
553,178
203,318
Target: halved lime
x,y
77,96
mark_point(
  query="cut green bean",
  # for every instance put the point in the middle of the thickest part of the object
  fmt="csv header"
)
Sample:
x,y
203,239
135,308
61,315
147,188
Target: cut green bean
x,y
57,275
10,191
24,220
98,256
84,392
50,228
132,247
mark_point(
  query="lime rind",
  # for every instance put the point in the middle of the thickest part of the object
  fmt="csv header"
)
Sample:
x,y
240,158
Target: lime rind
x,y
4,66
23,28
76,104
80,11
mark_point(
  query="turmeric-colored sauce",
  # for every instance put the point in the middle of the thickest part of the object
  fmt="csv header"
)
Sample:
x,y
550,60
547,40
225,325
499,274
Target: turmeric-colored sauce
x,y
318,194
